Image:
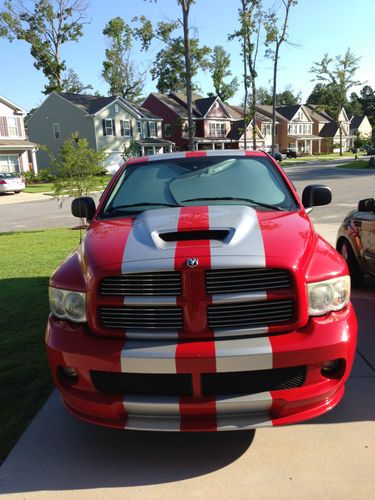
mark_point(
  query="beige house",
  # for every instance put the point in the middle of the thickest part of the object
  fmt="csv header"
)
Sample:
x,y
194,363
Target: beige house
x,y
360,126
107,123
17,153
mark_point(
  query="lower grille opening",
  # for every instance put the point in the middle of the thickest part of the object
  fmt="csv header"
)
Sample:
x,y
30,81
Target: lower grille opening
x,y
252,382
213,384
144,384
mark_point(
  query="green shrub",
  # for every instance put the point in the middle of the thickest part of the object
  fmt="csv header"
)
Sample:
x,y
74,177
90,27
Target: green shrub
x,y
45,175
30,177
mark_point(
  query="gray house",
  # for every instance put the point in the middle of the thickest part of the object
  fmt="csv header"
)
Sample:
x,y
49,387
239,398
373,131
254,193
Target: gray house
x,y
106,122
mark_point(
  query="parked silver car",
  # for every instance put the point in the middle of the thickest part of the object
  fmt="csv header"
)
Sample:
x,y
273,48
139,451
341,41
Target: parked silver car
x,y
10,182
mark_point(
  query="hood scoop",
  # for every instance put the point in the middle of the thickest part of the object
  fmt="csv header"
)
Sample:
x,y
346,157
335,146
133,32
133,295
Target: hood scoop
x,y
195,235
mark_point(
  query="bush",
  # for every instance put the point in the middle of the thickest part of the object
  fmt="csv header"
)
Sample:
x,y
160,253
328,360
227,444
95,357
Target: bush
x,y
45,175
30,177
371,162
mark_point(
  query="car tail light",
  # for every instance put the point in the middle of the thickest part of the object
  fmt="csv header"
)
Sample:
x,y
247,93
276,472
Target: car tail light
x,y
2,181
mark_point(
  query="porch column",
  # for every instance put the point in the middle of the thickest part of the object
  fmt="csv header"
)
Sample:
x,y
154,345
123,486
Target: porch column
x,y
34,163
142,151
305,145
213,146
170,149
153,150
320,145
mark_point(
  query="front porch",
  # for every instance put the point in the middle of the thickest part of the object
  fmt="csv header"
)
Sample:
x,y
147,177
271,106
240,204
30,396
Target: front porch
x,y
306,144
205,143
18,156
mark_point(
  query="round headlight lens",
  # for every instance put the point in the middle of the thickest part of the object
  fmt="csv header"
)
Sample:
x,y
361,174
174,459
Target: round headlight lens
x,y
75,306
56,299
66,304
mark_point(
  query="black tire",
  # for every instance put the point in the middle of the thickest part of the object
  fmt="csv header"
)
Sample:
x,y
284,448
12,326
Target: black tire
x,y
17,192
347,254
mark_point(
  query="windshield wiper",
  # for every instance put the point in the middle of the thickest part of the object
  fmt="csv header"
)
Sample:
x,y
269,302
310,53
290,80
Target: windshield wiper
x,y
248,200
140,204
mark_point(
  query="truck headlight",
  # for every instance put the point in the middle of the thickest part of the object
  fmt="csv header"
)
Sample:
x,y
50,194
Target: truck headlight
x,y
329,295
66,304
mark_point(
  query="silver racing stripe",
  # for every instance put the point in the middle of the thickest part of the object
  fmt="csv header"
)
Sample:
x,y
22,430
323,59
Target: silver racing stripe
x,y
244,247
235,355
142,253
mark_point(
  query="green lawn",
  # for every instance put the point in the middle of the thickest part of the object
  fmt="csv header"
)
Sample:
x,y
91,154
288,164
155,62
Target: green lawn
x,y
38,188
357,164
27,260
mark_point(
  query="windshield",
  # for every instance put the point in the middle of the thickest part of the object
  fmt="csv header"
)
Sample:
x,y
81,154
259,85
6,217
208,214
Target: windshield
x,y
8,175
199,181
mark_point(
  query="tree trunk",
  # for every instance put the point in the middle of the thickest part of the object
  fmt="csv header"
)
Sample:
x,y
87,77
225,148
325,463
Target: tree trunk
x,y
340,131
254,113
245,79
185,12
274,98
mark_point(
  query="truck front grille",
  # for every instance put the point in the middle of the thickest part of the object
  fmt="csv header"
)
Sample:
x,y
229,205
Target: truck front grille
x,y
213,384
163,283
250,314
246,280
144,318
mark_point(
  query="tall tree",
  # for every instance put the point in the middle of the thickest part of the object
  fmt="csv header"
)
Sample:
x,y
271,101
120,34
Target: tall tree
x,y
323,96
285,98
169,66
73,85
118,68
250,16
365,103
163,32
339,73
276,35
220,70
46,25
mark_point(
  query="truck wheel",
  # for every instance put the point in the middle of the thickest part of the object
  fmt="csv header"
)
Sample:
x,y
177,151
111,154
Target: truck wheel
x,y
356,274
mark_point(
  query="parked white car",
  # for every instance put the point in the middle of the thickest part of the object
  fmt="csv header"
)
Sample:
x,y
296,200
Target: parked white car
x,y
10,182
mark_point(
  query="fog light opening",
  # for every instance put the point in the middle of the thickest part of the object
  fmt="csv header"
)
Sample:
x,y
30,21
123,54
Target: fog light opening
x,y
69,374
332,368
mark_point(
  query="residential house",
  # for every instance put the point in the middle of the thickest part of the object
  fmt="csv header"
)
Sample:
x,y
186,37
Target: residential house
x,y
107,123
237,132
360,126
295,127
17,153
212,119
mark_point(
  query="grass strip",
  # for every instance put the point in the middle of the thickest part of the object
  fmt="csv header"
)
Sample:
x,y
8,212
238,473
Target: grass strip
x,y
27,260
357,165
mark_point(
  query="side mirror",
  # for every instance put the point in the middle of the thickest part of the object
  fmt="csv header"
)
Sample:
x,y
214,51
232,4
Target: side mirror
x,y
315,195
366,205
84,208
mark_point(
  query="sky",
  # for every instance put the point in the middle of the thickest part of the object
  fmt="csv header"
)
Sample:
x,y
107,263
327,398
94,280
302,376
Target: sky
x,y
316,27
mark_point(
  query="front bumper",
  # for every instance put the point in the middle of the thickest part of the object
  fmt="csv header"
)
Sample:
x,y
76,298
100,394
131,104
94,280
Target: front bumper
x,y
323,339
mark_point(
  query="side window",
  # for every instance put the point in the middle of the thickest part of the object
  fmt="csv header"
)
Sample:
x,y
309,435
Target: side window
x,y
152,129
139,127
125,128
167,130
56,131
108,127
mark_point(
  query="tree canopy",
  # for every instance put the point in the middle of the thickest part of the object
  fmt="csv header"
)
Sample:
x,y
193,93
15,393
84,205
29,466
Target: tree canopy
x,y
46,25
119,70
220,70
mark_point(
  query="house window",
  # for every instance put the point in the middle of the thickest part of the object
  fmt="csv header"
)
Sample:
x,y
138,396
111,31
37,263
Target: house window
x,y
117,108
167,130
125,128
9,163
267,129
56,131
139,127
152,129
108,127
217,129
12,126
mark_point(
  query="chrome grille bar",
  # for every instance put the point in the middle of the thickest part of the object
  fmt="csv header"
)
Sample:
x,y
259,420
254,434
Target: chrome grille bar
x,y
140,284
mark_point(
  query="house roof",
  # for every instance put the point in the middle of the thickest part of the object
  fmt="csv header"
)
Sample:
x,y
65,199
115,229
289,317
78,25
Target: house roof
x,y
236,130
288,112
175,106
11,104
91,104
266,110
11,144
356,121
318,114
329,130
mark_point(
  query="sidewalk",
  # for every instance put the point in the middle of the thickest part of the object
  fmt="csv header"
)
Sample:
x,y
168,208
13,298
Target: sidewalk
x,y
332,457
22,197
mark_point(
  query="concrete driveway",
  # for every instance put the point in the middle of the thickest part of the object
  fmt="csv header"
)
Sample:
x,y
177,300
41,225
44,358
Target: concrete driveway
x,y
332,457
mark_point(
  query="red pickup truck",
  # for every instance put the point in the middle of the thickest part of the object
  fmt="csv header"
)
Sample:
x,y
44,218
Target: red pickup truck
x,y
201,298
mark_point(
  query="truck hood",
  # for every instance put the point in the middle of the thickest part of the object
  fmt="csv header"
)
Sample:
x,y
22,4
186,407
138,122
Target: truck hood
x,y
219,236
